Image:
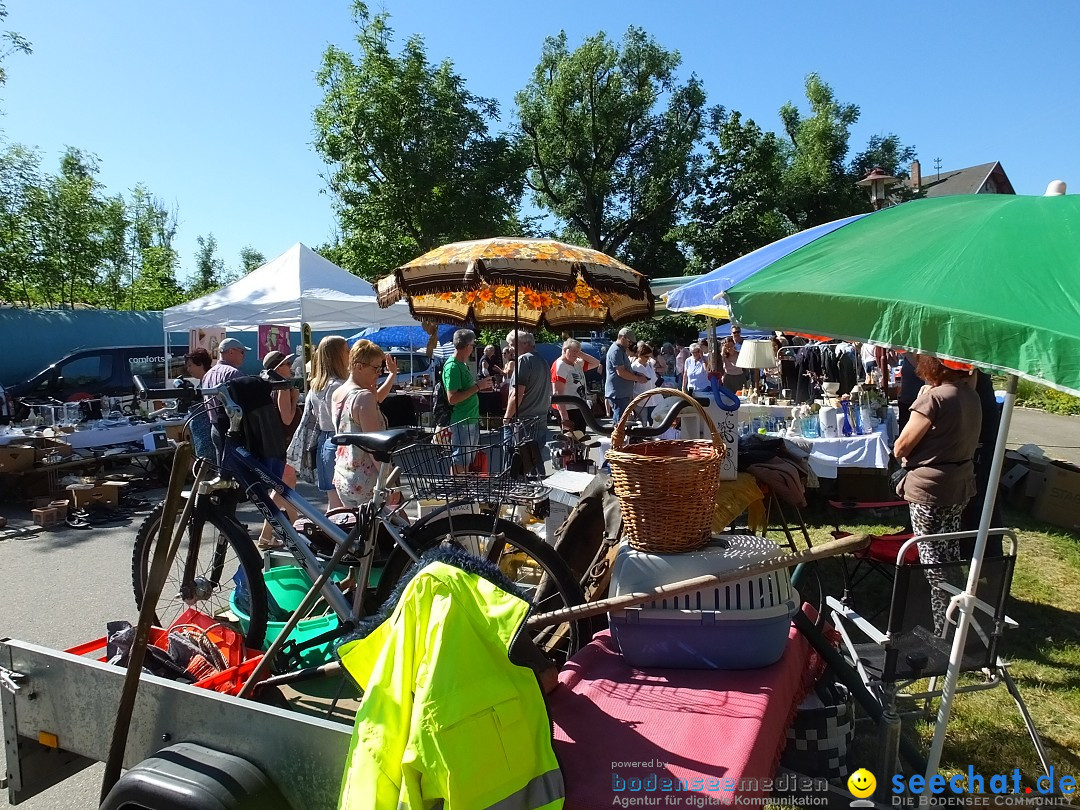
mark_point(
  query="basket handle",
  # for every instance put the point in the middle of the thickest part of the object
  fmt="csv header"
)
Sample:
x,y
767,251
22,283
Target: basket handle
x,y
618,435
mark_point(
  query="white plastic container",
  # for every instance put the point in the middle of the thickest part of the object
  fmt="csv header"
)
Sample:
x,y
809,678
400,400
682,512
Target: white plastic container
x,y
743,625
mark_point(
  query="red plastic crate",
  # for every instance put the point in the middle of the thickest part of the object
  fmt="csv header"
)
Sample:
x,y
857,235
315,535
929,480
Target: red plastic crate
x,y
242,660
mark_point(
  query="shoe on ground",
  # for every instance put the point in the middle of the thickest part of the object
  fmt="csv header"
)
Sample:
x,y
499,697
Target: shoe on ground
x,y
273,544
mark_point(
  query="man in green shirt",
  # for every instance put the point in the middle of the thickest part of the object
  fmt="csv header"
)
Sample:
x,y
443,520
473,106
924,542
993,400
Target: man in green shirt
x,y
461,392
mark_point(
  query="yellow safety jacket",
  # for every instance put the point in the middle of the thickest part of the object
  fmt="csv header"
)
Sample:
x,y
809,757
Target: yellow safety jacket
x,y
447,721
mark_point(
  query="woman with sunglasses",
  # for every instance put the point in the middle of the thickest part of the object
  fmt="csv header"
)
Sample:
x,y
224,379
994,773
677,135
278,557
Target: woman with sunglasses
x,y
356,410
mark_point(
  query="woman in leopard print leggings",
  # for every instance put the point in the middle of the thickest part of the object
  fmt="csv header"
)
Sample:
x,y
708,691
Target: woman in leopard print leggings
x,y
936,446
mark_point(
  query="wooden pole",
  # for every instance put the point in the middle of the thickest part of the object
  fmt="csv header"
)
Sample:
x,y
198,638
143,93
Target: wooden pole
x,y
845,545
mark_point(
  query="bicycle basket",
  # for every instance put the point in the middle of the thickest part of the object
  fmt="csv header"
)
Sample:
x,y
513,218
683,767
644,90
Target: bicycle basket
x,y
489,470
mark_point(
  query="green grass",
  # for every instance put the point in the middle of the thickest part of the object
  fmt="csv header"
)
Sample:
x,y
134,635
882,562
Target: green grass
x,y
1033,395
986,729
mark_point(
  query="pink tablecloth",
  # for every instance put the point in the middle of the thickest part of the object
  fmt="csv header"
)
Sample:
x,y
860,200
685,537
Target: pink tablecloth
x,y
690,738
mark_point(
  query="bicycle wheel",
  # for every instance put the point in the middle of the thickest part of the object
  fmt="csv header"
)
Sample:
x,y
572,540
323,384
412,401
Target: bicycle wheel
x,y
523,558
220,557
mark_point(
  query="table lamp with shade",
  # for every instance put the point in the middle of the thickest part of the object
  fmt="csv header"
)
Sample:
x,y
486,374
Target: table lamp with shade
x,y
756,355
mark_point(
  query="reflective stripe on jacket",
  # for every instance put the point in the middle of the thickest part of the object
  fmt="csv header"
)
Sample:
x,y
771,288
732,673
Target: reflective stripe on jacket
x,y
447,721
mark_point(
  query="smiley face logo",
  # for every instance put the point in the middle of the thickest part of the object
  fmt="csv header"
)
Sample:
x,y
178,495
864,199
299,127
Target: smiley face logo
x,y
861,783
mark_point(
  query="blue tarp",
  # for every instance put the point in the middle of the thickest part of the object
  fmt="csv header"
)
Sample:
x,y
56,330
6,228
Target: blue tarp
x,y
703,292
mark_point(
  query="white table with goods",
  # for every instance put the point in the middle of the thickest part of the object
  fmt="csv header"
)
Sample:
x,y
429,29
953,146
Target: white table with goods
x,y
869,446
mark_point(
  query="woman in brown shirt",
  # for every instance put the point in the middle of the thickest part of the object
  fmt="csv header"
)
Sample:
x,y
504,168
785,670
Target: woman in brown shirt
x,y
936,446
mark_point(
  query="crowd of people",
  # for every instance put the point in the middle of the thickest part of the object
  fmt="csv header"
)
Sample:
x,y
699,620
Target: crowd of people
x,y
948,410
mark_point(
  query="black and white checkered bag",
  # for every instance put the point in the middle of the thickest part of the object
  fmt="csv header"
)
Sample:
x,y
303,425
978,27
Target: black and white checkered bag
x,y
819,741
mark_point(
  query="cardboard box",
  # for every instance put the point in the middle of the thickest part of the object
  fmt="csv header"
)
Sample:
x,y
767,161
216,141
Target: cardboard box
x,y
175,432
16,458
103,492
47,517
44,447
1058,499
1014,484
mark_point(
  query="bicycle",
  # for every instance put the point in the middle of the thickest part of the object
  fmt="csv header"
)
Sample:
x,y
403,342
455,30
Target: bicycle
x,y
217,544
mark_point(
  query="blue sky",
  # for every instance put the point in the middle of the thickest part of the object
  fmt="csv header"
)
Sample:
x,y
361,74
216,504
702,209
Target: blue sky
x,y
209,103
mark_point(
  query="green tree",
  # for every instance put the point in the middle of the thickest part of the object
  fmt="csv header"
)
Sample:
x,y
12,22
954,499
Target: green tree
x,y
114,254
209,268
250,259
412,162
612,137
10,42
154,260
20,182
740,204
820,181
71,231
758,186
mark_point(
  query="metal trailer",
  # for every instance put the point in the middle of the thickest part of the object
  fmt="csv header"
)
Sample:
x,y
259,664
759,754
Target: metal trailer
x,y
59,711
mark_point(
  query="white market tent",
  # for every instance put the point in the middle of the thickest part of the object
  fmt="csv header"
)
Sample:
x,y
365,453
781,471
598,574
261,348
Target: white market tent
x,y
299,286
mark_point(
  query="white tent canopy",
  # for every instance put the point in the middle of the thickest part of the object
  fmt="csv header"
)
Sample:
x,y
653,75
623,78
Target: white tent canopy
x,y
299,286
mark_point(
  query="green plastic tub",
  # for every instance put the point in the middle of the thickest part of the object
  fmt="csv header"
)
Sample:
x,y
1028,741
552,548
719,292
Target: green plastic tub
x,y
288,584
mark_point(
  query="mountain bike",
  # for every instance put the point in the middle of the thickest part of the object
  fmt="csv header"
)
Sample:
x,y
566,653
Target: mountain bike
x,y
219,569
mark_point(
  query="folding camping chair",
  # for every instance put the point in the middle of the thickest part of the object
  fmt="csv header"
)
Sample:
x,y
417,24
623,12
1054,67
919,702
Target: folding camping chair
x,y
917,639
880,556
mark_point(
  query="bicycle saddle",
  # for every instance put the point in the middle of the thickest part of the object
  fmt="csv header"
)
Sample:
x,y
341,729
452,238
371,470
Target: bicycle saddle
x,y
380,443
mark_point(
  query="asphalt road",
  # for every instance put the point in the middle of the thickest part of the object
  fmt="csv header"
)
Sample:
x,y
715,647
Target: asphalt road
x,y
60,587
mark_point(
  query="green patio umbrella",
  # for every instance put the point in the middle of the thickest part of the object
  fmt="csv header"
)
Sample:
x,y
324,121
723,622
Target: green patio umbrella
x,y
992,280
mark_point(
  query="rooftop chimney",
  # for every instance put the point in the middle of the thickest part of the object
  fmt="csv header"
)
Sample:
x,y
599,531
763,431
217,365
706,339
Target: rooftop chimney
x,y
916,175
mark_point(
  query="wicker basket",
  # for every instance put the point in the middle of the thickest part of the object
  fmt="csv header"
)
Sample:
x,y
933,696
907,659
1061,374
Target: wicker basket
x,y
666,488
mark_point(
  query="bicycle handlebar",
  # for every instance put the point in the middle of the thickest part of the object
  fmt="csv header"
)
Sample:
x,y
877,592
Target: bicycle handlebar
x,y
221,391
634,432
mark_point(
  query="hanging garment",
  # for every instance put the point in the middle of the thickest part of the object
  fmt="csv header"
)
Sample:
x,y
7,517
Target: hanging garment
x,y
447,719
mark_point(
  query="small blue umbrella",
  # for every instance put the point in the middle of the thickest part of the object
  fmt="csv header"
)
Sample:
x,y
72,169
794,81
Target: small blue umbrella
x,y
412,336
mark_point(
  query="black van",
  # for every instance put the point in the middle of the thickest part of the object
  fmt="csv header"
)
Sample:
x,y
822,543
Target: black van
x,y
99,372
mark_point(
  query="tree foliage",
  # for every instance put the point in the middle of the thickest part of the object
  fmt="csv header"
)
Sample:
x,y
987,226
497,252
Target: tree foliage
x,y
209,268
10,42
250,259
412,161
612,137
759,186
741,204
65,243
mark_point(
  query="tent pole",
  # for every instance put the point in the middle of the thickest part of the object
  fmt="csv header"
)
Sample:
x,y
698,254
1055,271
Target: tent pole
x,y
965,602
168,356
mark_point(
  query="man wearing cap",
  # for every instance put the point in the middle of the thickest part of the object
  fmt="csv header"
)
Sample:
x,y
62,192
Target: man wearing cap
x,y
463,393
620,378
230,358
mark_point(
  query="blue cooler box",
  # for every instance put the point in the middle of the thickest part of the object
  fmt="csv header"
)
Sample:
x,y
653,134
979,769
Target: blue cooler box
x,y
742,625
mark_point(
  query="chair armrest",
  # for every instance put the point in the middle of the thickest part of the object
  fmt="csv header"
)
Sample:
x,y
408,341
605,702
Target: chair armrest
x,y
843,611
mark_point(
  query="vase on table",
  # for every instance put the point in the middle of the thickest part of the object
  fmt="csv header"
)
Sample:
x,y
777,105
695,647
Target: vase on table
x,y
847,430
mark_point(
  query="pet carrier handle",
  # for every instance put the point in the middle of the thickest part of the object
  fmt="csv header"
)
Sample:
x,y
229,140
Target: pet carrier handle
x,y
845,545
618,441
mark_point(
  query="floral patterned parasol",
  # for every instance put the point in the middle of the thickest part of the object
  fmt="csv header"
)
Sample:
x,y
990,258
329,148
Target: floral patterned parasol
x,y
556,284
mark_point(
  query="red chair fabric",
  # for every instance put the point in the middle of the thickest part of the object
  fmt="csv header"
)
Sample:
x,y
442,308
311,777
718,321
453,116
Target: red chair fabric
x,y
701,734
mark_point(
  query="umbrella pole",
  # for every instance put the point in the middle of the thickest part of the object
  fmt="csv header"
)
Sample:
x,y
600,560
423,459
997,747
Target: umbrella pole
x,y
517,348
965,602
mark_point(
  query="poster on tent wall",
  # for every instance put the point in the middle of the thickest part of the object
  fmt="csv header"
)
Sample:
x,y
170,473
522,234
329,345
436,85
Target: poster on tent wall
x,y
273,338
207,338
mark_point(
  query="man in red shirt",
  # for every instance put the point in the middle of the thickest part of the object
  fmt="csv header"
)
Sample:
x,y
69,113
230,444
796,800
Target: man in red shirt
x,y
568,378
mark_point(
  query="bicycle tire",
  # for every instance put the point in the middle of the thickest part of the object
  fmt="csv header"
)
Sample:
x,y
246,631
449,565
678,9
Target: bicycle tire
x,y
214,571
560,589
